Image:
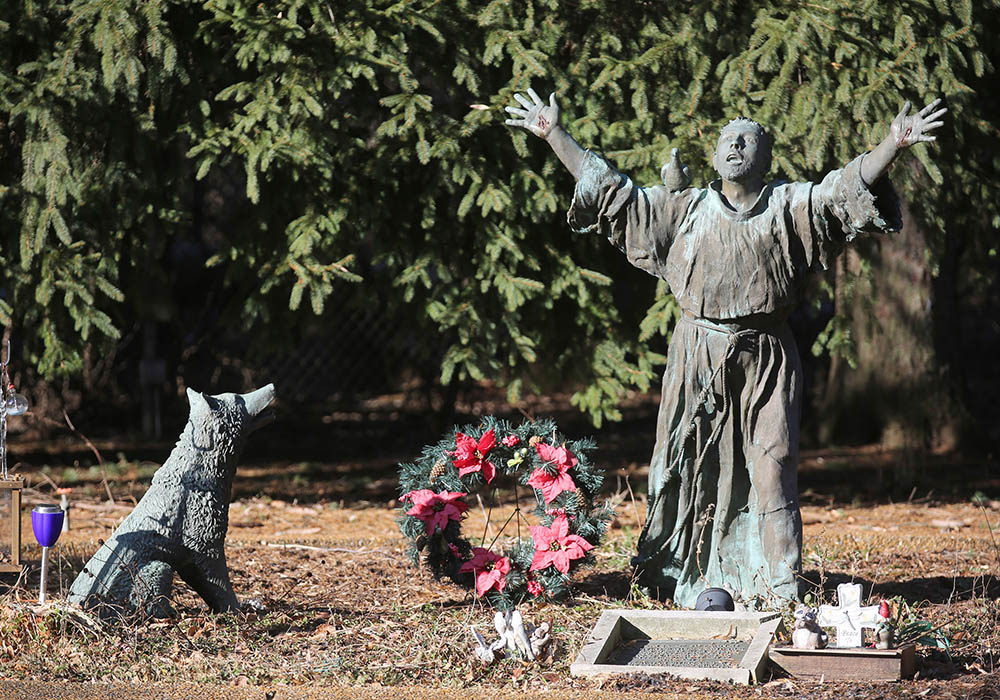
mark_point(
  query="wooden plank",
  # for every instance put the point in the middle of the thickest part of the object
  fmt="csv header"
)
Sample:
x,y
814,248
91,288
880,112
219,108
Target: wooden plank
x,y
15,526
846,664
14,486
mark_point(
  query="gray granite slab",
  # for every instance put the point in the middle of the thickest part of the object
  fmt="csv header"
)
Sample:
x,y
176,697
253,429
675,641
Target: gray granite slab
x,y
725,646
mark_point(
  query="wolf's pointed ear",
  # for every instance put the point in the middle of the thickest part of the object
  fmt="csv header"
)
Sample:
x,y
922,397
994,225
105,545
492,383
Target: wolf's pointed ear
x,y
197,401
201,430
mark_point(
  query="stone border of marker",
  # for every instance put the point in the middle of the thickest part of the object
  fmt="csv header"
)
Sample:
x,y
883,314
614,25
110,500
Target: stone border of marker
x,y
615,627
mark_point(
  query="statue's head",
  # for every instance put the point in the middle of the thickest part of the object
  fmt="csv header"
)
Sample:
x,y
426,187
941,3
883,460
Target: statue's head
x,y
743,151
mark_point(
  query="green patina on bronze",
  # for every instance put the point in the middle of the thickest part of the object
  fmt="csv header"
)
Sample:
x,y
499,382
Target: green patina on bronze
x,y
723,486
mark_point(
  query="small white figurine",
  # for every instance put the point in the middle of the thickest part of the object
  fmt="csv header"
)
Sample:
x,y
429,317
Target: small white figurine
x,y
510,626
520,639
540,637
807,634
487,653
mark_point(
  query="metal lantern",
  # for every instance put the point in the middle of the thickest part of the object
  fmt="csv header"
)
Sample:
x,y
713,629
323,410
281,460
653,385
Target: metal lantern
x,y
14,404
10,503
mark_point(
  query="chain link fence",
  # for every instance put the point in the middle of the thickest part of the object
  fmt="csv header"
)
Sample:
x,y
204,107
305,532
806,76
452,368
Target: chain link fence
x,y
362,351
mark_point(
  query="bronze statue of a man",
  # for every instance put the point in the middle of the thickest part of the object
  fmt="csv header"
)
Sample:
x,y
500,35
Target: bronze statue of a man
x,y
723,486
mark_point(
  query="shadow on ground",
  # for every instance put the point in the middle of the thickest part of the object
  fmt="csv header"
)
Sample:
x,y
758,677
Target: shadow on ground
x,y
936,590
313,455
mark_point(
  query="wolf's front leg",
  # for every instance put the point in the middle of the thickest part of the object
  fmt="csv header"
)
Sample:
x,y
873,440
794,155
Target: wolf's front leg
x,y
150,588
209,577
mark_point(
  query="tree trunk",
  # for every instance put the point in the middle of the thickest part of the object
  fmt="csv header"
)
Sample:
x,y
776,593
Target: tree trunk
x,y
897,394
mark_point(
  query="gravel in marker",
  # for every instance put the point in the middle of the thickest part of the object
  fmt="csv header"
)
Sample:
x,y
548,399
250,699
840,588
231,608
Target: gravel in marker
x,y
679,653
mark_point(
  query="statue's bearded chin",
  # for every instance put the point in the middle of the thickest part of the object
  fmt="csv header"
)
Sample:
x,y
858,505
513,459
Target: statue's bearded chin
x,y
734,172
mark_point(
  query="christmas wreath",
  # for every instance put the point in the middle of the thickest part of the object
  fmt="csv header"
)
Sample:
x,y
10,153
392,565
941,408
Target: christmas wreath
x,y
494,456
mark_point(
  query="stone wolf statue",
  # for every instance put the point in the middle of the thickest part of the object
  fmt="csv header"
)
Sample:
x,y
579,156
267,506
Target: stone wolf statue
x,y
181,522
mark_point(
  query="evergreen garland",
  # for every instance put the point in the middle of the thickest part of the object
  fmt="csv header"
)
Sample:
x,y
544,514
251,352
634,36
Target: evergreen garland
x,y
517,453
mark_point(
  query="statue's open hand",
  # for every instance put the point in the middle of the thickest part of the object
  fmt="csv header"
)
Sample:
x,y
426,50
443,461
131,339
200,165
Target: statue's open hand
x,y
536,116
908,129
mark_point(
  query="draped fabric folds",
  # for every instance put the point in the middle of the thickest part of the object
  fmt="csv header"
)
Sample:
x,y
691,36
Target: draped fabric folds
x,y
723,489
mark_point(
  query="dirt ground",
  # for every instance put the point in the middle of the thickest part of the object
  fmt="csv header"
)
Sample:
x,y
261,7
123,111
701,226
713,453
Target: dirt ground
x,y
337,609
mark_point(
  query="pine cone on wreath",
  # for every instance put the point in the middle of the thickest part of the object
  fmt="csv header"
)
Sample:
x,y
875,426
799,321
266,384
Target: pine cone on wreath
x,y
437,471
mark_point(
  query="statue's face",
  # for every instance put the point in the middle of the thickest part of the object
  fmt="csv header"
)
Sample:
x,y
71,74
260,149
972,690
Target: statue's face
x,y
741,153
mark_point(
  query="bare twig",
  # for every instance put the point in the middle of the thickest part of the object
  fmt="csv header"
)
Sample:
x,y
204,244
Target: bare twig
x,y
989,527
311,548
97,454
87,442
517,510
487,530
187,640
954,578
47,478
101,506
69,613
703,522
635,508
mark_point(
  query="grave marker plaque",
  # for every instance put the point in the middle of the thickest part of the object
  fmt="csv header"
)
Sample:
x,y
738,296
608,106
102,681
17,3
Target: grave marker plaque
x,y
699,645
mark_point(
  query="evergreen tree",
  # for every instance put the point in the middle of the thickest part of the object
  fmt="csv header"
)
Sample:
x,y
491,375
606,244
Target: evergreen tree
x,y
377,127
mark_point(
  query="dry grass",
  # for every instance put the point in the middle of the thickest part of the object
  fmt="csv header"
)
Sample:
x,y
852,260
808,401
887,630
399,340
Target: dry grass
x,y
339,604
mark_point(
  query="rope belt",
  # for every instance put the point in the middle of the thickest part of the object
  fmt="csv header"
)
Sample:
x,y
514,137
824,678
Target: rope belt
x,y
737,333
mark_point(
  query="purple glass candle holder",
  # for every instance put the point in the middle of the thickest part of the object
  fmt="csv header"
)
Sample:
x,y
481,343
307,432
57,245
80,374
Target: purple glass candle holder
x,y
46,522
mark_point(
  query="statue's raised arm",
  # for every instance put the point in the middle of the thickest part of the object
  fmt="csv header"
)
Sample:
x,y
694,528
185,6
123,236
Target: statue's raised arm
x,y
542,120
906,129
723,505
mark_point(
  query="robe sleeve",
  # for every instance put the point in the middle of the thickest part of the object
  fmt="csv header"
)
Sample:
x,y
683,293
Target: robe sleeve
x,y
641,221
831,214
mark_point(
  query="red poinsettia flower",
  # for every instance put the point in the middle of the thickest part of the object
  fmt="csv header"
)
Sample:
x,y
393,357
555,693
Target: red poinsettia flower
x,y
551,486
436,509
490,570
555,546
559,456
511,440
470,455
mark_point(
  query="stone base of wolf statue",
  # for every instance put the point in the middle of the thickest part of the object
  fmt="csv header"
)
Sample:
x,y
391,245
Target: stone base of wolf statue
x,y
181,522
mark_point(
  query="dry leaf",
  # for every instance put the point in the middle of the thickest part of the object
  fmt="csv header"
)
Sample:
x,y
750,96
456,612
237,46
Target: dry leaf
x,y
325,630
